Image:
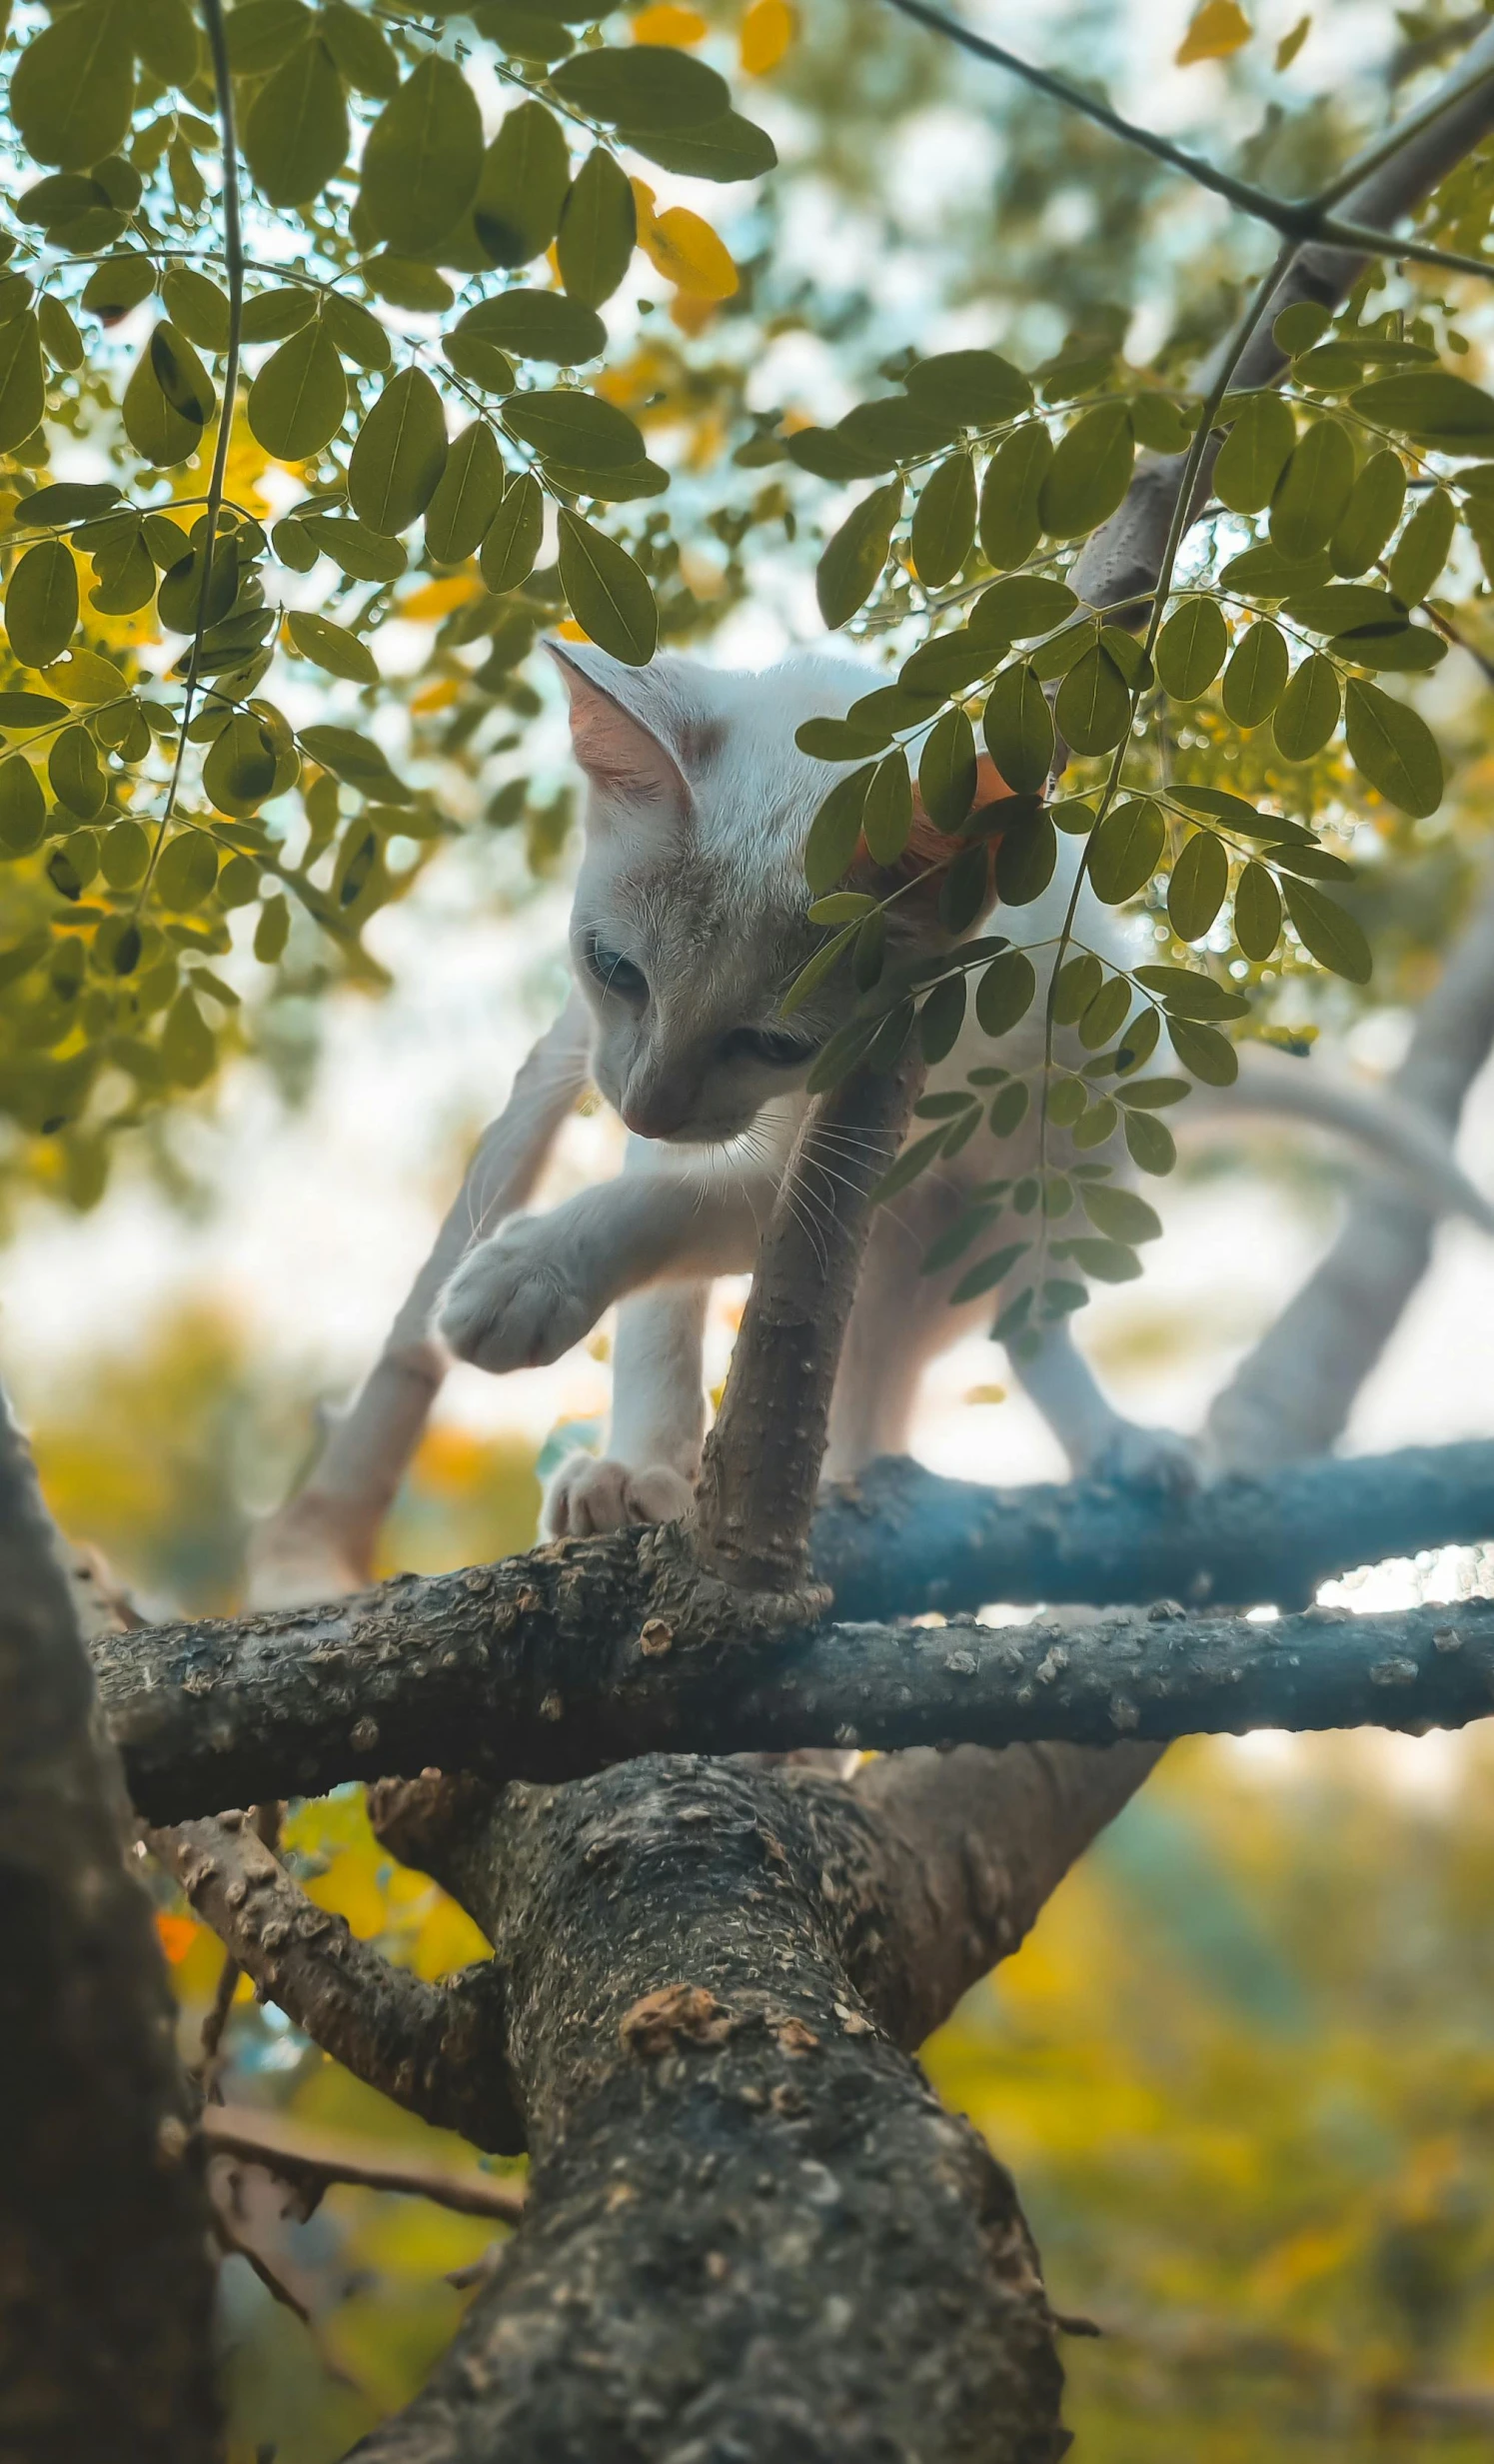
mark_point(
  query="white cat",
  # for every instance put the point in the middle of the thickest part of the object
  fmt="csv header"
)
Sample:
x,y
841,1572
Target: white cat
x,y
688,922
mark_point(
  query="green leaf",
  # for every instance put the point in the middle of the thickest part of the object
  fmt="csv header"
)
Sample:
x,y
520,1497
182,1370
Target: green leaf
x,y
1204,1052
1010,1107
467,496
1125,850
296,135
240,771
1006,993
272,931
1019,728
1297,327
837,740
542,325
1093,707
947,665
75,772
1011,493
836,831
424,157
356,331
1396,751
260,32
72,91
941,1017
512,540
888,812
1188,994
1431,407
893,429
196,306
1150,1144
850,566
829,455
1074,988
947,769
271,315
526,32
1021,607
1338,606
23,392
1025,857
1323,928
356,759
23,806
1091,472
1254,454
1402,648
1256,676
608,594
40,603
298,400
332,646
400,452
995,1268
368,62
977,389
943,529
1105,1016
729,148
1195,893
811,976
574,427
1371,514
407,282
70,500
360,552
524,175
165,35
1106,1261
1423,547
1308,711
118,285
187,871
188,1053
1313,490
29,710
1257,912
1264,573
169,399
1191,647
965,890
60,337
649,86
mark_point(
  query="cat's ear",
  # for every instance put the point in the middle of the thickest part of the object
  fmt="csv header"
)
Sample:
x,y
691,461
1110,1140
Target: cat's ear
x,y
614,739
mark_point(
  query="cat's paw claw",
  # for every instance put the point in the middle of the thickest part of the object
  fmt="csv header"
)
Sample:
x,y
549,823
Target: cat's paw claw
x,y
1154,1458
515,1301
590,1495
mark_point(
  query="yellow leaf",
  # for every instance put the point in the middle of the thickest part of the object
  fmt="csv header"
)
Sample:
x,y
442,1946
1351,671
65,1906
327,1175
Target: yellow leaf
x,y
175,1935
437,696
687,253
570,631
1218,28
667,23
768,29
435,598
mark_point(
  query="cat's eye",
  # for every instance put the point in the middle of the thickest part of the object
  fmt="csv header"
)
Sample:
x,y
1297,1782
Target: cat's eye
x,y
615,974
762,1043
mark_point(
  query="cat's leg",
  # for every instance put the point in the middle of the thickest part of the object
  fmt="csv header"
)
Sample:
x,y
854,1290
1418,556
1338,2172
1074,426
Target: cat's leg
x,y
540,1283
1101,1442
647,1472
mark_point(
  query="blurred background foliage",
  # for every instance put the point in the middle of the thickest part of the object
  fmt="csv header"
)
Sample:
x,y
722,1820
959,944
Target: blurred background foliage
x,y
1245,2072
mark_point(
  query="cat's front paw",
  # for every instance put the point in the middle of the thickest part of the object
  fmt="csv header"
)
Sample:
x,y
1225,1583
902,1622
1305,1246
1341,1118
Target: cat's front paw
x,y
1154,1458
516,1300
590,1495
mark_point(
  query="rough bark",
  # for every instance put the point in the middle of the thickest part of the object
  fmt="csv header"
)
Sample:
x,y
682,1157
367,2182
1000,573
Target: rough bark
x,y
105,2278
752,2230
552,1664
436,2048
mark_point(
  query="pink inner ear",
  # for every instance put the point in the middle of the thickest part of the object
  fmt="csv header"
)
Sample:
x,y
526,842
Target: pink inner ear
x,y
617,751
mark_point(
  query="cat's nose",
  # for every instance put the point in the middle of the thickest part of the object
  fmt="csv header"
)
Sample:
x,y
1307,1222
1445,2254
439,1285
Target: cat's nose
x,y
658,1110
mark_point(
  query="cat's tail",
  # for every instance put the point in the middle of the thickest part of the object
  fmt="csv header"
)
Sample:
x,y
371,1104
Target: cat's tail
x,y
1414,1147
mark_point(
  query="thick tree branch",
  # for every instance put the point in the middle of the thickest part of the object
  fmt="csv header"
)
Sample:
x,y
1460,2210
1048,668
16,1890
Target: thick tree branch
x,y
756,1496
436,2048
751,2232
105,2280
552,1662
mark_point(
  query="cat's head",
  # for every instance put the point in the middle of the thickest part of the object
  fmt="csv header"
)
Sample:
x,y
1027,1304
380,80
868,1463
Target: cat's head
x,y
688,922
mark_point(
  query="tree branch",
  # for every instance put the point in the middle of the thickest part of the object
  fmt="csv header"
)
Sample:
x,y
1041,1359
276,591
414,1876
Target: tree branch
x,y
1292,1394
105,2282
311,2160
435,2048
454,1674
756,1496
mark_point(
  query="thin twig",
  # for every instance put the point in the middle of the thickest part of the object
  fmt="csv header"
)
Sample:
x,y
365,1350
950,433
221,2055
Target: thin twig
x,y
312,2160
